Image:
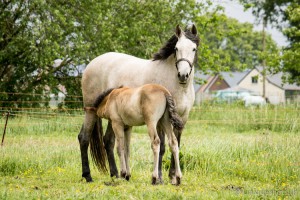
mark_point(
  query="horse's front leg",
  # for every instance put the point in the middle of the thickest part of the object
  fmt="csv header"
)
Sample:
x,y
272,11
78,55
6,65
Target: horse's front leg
x,y
109,142
161,135
172,172
176,179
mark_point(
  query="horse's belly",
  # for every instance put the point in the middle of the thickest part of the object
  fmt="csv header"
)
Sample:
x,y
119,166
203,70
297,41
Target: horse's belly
x,y
132,119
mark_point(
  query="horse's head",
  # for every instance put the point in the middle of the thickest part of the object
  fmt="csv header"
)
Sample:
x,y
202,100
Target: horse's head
x,y
185,52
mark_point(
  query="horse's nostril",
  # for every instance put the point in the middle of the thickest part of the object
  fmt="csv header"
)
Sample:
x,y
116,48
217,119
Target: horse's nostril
x,y
187,76
178,75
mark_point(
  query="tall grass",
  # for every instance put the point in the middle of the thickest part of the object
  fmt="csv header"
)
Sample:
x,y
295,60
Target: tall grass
x,y
227,152
240,118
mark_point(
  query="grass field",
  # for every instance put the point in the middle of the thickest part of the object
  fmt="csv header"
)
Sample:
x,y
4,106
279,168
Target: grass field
x,y
227,152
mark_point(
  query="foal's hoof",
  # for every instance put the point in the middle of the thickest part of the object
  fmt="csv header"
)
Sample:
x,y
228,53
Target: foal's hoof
x,y
176,181
157,181
125,176
160,181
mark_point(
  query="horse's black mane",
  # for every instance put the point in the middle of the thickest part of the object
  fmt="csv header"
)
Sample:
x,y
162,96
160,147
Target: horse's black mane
x,y
169,48
101,97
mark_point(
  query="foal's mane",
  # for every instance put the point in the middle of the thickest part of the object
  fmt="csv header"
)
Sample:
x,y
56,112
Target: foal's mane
x,y
169,47
101,97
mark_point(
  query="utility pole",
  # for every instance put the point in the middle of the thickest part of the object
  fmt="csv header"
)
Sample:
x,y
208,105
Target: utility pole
x,y
264,60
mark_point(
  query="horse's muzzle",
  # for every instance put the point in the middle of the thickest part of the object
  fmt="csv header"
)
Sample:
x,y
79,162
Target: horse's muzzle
x,y
183,78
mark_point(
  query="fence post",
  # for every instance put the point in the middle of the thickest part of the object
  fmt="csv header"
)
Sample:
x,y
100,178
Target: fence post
x,y
7,115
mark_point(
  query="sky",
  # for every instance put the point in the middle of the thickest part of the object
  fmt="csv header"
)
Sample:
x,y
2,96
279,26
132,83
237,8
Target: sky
x,y
235,10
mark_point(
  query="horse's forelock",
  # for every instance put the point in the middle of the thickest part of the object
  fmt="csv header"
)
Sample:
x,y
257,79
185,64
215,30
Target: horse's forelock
x,y
194,38
169,48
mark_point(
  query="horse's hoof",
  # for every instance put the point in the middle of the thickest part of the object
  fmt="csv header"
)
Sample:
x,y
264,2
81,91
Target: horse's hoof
x,y
160,181
178,179
154,181
173,180
123,175
88,179
114,175
127,177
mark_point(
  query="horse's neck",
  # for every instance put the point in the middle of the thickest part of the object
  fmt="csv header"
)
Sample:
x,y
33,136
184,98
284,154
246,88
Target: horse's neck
x,y
165,73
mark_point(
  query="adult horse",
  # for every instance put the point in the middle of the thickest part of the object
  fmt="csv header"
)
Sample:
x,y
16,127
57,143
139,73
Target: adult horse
x,y
172,67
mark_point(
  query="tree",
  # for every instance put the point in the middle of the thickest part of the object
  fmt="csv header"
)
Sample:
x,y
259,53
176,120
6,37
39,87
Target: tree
x,y
33,34
276,12
231,45
36,33
291,54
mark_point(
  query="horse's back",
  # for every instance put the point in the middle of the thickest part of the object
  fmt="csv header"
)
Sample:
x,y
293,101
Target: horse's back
x,y
111,70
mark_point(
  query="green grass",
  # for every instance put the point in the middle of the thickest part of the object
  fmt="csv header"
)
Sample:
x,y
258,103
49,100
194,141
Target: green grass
x,y
226,153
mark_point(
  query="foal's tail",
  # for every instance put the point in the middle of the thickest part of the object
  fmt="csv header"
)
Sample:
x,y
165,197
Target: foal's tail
x,y
174,117
97,149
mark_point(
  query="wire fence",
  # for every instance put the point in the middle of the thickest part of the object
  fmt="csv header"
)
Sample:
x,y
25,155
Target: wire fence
x,y
43,118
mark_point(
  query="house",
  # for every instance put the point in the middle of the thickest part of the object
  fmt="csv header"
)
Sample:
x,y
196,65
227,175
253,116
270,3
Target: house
x,y
252,80
275,90
213,83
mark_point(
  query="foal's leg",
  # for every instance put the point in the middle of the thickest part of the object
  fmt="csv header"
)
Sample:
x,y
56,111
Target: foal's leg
x,y
119,131
176,179
84,139
109,142
155,144
127,151
172,172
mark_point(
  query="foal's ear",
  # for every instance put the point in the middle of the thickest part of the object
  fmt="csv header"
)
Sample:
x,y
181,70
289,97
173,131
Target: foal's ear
x,y
194,29
178,31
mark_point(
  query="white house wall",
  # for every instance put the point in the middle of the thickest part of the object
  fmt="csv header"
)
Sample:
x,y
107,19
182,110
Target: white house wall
x,y
274,94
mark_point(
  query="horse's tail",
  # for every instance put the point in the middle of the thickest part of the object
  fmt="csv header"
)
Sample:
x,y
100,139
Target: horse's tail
x,y
175,119
97,149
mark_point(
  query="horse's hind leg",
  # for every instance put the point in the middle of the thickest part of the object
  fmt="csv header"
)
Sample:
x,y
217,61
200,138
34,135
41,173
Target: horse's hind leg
x,y
109,142
84,139
161,135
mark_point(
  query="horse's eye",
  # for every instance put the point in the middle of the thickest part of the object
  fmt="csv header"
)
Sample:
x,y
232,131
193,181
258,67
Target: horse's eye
x,y
176,49
194,49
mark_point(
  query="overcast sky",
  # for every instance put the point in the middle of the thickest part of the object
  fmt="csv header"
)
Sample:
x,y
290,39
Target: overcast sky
x,y
235,10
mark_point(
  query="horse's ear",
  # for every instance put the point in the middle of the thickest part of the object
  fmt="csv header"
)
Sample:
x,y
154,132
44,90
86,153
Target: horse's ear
x,y
194,30
178,31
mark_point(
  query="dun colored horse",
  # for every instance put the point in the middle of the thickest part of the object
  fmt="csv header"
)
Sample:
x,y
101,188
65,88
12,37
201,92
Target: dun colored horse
x,y
149,104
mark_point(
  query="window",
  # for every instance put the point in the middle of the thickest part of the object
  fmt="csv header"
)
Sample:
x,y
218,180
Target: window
x,y
254,79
